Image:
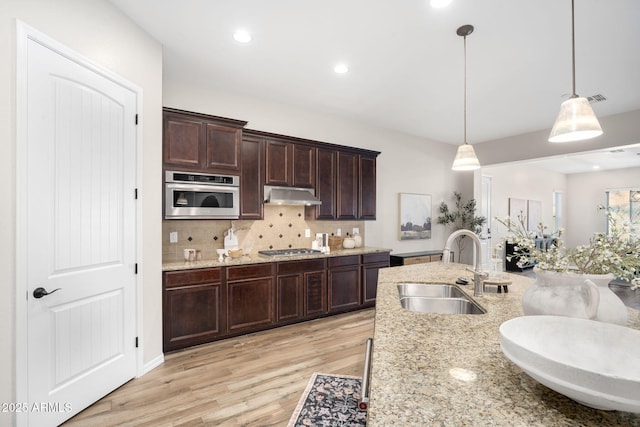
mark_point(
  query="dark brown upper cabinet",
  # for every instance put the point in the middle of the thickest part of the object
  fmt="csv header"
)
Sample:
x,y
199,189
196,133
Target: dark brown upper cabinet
x,y
326,175
200,142
347,207
251,178
289,164
346,185
367,187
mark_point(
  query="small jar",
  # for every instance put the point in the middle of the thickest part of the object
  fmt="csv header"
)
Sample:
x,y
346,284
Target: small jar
x,y
348,243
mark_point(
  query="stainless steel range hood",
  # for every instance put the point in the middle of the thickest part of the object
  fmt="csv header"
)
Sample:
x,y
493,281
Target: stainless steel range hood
x,y
290,196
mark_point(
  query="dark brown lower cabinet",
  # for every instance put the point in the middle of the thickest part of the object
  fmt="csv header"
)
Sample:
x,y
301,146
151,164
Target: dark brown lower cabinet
x,y
250,301
344,283
371,264
302,289
207,304
193,308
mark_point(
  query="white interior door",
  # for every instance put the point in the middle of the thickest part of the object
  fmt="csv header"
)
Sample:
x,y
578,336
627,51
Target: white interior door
x,y
78,185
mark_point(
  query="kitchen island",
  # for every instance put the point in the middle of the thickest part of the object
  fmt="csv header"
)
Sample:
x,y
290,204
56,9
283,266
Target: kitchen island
x,y
449,370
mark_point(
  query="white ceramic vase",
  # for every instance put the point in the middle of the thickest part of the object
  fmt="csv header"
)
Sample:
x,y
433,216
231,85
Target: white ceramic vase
x,y
561,294
611,308
348,243
358,239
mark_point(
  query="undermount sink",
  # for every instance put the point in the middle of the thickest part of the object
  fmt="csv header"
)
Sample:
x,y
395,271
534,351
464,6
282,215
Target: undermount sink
x,y
431,290
436,298
594,363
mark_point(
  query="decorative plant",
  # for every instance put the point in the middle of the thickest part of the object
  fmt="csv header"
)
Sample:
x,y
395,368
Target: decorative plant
x,y
616,252
463,217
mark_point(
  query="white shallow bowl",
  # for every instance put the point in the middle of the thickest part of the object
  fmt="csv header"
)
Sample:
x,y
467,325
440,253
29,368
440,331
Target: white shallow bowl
x,y
594,363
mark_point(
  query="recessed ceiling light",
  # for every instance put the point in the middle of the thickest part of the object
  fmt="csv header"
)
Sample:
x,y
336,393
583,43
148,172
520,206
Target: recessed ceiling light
x,y
341,68
440,3
596,166
242,36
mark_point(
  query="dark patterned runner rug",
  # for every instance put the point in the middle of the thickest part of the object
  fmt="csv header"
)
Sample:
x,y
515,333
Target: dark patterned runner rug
x,y
329,400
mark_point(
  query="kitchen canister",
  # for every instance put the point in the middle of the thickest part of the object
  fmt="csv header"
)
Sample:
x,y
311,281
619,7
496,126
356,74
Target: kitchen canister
x,y
348,243
357,238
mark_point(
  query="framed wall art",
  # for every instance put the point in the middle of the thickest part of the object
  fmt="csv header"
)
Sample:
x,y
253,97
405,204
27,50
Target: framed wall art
x,y
415,216
534,215
517,207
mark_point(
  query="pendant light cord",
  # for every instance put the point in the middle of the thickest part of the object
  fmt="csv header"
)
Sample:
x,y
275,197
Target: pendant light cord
x,y
573,51
465,89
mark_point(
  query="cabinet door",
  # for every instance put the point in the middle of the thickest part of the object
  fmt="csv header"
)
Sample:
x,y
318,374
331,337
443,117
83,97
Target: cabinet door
x,y
367,188
278,161
370,283
222,147
251,180
193,309
182,141
191,315
325,185
371,263
344,288
315,293
289,297
250,304
347,207
304,166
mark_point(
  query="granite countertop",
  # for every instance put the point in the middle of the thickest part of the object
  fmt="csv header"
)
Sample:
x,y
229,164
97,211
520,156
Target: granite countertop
x,y
255,258
414,355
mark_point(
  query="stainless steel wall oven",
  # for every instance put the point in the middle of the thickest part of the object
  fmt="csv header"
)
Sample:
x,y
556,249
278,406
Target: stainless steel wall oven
x,y
191,195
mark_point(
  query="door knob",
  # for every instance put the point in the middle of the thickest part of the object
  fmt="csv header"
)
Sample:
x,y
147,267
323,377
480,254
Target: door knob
x,y
41,292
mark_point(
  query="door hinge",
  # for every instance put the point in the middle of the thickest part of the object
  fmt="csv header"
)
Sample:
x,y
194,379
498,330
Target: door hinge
x,y
135,268
136,342
135,193
136,118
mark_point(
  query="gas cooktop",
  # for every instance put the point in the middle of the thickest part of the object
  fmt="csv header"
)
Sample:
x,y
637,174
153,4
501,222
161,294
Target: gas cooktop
x,y
289,252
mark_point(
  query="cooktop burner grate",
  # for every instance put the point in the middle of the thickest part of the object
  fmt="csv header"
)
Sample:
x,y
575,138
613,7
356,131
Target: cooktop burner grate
x,y
289,252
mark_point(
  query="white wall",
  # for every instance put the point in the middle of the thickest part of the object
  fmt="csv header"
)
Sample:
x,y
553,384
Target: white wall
x,y
585,191
522,182
97,30
407,164
582,195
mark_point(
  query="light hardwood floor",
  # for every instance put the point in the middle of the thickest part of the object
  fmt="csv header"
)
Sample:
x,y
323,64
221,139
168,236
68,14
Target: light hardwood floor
x,y
252,380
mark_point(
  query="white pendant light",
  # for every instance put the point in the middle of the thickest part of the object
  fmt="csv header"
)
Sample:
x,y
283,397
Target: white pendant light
x,y
576,120
466,159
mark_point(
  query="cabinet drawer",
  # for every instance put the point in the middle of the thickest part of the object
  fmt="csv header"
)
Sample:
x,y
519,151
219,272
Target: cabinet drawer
x,y
249,271
379,257
192,277
344,260
293,267
417,260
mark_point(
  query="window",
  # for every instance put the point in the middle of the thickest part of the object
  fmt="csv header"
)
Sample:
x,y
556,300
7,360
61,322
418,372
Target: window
x,y
624,205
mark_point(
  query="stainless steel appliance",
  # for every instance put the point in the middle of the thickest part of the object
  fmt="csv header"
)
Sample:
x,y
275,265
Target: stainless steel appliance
x,y
191,195
276,253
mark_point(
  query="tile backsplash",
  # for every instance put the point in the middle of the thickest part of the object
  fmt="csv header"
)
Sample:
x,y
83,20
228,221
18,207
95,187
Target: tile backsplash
x,y
282,227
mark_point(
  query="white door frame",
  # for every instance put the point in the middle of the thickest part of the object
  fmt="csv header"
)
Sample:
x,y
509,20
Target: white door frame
x,y
23,34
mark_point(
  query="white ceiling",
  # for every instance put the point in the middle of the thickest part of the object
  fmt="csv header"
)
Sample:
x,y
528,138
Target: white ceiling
x,y
406,61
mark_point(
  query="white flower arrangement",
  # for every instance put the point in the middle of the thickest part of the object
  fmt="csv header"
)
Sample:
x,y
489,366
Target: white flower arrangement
x,y
617,252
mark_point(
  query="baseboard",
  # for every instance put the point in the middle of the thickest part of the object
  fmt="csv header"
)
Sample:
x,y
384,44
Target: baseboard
x,y
152,364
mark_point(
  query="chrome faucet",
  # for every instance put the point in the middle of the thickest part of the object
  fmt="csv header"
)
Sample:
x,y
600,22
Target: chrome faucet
x,y
478,275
